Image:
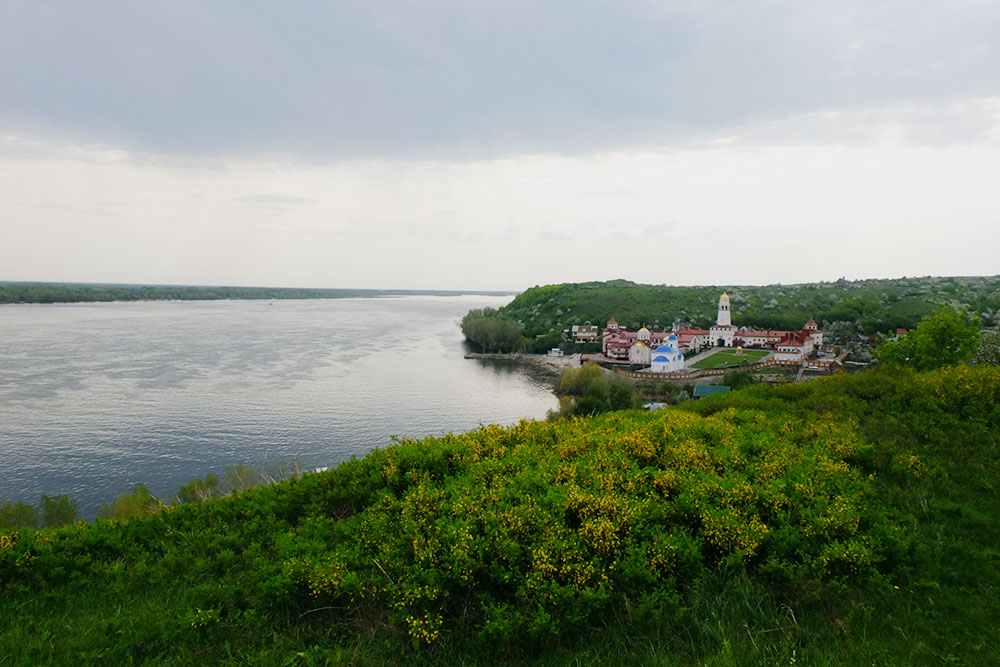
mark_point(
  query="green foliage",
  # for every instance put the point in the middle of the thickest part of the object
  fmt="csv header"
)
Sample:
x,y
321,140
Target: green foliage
x,y
58,510
944,339
850,520
491,334
593,391
238,477
17,515
593,402
545,342
576,381
199,490
989,347
137,502
737,379
619,396
51,511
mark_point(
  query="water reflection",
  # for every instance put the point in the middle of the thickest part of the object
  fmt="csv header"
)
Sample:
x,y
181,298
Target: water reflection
x,y
97,397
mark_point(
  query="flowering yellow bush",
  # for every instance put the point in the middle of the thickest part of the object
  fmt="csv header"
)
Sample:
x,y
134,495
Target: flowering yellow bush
x,y
552,521
8,541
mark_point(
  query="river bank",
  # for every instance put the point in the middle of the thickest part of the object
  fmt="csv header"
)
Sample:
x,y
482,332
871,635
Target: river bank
x,y
543,362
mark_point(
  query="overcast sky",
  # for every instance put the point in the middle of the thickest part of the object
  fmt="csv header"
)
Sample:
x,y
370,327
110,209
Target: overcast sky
x,y
479,145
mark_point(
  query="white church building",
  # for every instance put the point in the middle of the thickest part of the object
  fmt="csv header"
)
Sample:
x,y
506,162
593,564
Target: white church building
x,y
667,358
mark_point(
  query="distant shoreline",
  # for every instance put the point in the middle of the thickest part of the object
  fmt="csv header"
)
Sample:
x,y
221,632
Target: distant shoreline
x,y
43,293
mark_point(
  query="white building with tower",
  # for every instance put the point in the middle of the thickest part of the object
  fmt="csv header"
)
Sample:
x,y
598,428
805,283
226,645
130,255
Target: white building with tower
x,y
723,333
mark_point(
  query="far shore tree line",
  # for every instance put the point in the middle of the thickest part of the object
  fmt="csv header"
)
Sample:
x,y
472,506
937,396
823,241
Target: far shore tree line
x,y
36,292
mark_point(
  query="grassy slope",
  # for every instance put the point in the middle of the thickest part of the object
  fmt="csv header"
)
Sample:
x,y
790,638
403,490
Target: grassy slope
x,y
628,539
874,305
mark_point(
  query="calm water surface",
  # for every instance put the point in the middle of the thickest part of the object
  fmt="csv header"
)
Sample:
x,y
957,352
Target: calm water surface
x,y
95,398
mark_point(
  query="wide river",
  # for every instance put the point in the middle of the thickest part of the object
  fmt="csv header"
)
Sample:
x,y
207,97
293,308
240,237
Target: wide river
x,y
95,398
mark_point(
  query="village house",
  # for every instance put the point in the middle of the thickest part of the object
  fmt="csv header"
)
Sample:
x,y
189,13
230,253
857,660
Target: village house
x,y
586,333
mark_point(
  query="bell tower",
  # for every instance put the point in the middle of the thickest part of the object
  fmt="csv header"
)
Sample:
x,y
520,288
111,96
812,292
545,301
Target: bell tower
x,y
725,317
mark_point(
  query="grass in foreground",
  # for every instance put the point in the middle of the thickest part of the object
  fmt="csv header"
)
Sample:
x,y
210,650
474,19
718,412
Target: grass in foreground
x,y
846,521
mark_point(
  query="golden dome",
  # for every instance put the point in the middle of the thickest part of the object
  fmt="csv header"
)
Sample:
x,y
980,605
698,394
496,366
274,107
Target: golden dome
x,y
725,297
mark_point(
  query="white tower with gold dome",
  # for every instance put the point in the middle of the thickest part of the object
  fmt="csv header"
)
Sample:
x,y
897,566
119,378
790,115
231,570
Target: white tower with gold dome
x,y
725,318
723,332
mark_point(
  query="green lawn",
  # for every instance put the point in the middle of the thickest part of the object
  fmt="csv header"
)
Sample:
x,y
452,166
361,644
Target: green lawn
x,y
729,357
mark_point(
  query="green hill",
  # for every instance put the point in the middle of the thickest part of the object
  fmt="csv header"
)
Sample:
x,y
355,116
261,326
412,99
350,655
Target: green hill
x,y
845,307
851,520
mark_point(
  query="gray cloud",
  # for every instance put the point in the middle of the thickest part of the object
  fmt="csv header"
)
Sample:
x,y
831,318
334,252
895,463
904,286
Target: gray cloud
x,y
449,79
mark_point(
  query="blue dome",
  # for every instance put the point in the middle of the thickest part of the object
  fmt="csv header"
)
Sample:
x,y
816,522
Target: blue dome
x,y
672,337
664,348
660,358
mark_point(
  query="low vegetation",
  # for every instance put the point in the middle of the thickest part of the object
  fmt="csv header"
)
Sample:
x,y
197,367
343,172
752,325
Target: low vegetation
x,y
851,520
591,390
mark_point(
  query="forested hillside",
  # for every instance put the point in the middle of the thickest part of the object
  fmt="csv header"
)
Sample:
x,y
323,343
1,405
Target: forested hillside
x,y
850,520
844,307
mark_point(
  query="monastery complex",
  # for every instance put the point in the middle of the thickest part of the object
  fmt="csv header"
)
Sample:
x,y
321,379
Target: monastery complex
x,y
664,351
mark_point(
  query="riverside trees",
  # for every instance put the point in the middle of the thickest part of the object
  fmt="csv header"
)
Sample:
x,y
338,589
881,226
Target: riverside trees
x,y
490,334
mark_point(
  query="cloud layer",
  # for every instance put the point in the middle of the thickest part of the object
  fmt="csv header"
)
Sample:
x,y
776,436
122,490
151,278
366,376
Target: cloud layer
x,y
460,80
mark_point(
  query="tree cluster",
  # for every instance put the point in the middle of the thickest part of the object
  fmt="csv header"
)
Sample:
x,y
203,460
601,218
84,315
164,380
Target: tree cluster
x,y
51,512
490,334
591,390
944,339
